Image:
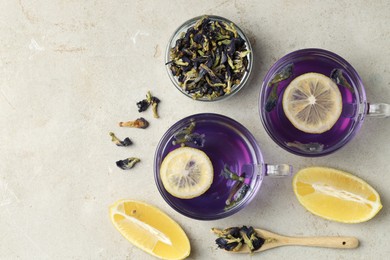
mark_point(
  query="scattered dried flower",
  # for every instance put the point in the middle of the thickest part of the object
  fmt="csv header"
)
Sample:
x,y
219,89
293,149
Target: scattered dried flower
x,y
138,123
145,103
118,142
127,163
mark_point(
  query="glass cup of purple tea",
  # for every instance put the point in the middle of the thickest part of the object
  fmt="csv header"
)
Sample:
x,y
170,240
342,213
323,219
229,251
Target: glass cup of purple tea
x,y
237,162
313,102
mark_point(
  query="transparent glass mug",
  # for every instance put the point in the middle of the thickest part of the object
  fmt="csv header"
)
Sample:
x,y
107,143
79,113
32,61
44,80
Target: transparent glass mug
x,y
355,105
227,143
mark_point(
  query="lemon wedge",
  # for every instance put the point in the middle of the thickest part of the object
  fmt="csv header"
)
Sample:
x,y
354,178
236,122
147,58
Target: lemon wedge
x,y
312,103
150,229
336,195
186,172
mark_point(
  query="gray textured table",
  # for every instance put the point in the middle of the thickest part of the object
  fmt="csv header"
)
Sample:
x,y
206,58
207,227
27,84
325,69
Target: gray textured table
x,y
71,70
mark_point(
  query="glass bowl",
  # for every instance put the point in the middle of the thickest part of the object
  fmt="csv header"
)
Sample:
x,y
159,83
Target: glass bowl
x,y
177,35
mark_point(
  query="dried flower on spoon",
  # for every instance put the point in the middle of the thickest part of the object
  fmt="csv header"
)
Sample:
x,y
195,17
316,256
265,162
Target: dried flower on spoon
x,y
118,142
138,123
251,239
231,239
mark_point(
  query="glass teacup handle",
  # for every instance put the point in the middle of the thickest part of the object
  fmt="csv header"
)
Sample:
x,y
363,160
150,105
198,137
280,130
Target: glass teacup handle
x,y
278,170
379,110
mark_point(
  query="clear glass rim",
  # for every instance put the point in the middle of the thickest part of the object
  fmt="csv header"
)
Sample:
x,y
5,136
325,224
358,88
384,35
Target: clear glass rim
x,y
287,59
209,116
182,28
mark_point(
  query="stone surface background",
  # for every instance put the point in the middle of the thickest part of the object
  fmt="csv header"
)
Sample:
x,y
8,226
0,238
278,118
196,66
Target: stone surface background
x,y
71,70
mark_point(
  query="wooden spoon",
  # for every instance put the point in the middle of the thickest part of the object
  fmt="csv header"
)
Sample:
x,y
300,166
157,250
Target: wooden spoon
x,y
273,240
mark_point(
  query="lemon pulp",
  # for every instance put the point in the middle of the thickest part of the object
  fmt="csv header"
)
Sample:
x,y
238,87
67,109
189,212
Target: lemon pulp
x,y
336,195
312,102
186,172
150,229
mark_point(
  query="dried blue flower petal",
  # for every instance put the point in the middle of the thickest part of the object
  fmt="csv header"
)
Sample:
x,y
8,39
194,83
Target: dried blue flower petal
x,y
181,133
251,239
228,174
142,105
186,136
195,138
127,163
203,55
145,103
138,123
238,190
285,73
154,101
231,239
308,147
233,190
227,232
337,76
118,142
233,244
237,194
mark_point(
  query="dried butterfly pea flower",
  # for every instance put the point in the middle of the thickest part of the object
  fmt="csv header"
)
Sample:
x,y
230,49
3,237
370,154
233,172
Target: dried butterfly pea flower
x,y
195,138
251,239
234,189
228,174
179,135
283,74
231,239
127,163
209,59
142,105
237,194
154,102
145,103
337,76
138,123
227,232
232,244
238,190
118,142
186,136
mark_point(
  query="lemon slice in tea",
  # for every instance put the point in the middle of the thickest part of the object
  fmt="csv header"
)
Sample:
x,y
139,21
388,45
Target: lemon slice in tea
x,y
186,172
336,195
312,102
150,229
